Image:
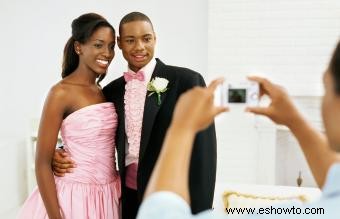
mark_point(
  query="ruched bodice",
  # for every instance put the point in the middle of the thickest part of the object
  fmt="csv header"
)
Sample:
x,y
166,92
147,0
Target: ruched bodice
x,y
93,189
88,134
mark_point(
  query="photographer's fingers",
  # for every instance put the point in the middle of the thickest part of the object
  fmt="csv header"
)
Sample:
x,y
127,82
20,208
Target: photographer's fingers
x,y
258,110
211,89
213,85
266,86
220,109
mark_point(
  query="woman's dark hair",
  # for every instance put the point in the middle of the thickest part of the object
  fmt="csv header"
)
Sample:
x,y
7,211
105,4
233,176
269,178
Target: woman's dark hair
x,y
82,29
334,68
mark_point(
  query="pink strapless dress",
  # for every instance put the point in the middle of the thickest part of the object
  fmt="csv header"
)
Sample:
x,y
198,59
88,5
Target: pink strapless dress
x,y
93,190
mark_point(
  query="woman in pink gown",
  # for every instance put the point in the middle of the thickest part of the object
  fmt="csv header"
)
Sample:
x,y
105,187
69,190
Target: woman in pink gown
x,y
77,107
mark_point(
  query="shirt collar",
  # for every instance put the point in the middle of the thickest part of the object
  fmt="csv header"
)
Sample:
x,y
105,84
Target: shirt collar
x,y
147,69
332,185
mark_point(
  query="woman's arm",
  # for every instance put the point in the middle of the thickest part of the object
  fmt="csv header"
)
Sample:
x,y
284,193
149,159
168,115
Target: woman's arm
x,y
50,123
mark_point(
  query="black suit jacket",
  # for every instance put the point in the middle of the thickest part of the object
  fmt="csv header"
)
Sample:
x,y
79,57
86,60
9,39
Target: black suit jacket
x,y
156,120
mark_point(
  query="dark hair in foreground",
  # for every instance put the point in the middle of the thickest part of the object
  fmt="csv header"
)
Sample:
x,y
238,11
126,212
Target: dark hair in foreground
x,y
82,29
133,16
334,67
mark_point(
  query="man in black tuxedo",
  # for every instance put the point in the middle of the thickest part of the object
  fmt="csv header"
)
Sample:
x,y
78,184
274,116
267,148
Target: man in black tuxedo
x,y
137,41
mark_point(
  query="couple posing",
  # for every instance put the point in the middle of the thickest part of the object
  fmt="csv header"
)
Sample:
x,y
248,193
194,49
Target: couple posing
x,y
130,114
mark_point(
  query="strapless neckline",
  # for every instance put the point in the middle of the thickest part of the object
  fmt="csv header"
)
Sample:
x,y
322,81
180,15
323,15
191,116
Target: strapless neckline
x,y
86,108
93,189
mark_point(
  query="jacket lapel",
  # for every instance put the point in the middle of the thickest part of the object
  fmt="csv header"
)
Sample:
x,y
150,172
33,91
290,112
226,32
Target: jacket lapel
x,y
151,108
119,105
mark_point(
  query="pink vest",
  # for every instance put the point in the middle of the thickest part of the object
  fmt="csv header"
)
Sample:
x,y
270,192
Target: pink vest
x,y
134,100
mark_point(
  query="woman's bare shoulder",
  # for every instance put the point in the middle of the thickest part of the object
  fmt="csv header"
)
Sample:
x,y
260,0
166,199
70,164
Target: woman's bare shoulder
x,y
58,90
59,93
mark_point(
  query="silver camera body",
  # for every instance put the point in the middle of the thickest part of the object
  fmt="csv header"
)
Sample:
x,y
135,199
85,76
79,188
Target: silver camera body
x,y
239,93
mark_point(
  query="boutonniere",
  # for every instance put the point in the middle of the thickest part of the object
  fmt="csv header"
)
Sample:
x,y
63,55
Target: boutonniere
x,y
158,86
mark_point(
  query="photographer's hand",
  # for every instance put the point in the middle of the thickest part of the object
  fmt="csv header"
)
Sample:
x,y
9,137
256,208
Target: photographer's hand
x,y
194,111
313,143
281,109
195,108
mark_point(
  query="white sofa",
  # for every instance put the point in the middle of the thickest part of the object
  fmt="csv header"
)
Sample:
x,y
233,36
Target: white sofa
x,y
239,195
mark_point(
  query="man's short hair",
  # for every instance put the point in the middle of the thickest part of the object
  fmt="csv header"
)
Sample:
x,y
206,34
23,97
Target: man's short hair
x,y
134,16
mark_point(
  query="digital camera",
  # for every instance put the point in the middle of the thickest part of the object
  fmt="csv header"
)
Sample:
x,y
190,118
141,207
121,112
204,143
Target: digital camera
x,y
239,93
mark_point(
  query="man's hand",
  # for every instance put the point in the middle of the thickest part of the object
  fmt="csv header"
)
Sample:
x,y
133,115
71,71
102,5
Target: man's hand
x,y
62,163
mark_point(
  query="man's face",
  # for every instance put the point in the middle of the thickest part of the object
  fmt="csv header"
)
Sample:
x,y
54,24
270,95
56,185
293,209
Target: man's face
x,y
137,41
330,112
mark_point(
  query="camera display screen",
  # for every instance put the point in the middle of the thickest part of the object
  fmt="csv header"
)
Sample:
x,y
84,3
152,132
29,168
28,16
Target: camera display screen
x,y
237,95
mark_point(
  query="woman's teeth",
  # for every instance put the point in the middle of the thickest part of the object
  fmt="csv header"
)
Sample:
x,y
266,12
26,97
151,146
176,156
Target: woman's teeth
x,y
104,62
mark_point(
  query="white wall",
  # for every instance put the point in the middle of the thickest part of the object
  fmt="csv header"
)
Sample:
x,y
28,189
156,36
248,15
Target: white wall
x,y
33,34
289,41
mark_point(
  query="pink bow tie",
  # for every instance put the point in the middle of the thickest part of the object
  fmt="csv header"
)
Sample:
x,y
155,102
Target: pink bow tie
x,y
128,76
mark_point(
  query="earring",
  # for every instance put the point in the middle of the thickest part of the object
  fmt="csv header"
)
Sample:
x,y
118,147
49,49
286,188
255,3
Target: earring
x,y
77,50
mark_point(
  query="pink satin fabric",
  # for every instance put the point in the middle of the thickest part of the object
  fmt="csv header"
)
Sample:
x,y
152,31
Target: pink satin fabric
x,y
93,189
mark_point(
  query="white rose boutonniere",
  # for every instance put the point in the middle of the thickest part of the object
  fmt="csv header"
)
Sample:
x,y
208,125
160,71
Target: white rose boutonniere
x,y
158,86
